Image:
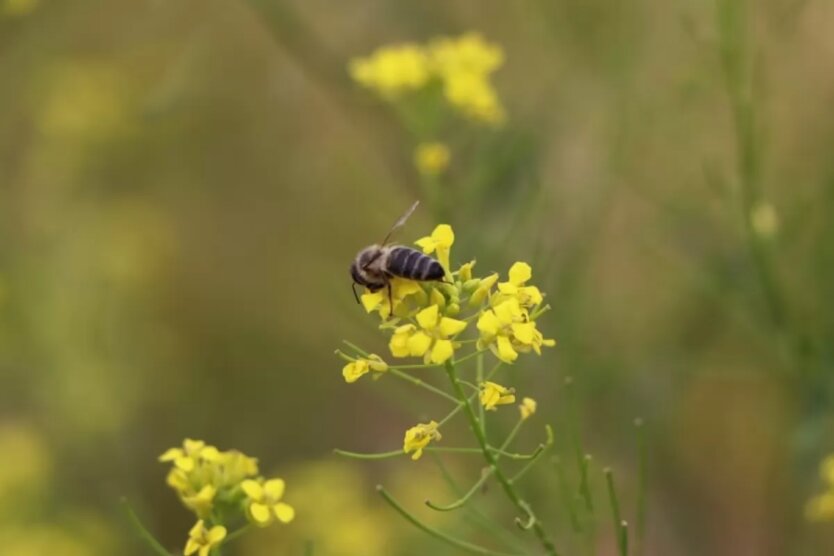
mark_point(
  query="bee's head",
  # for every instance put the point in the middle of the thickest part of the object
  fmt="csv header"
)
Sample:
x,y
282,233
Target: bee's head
x,y
355,273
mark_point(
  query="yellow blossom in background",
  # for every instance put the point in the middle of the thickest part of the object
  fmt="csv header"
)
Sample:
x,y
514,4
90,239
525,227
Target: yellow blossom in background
x,y
493,394
506,330
264,502
821,507
464,65
418,437
764,220
440,240
186,458
405,294
354,370
392,70
431,159
201,539
528,296
527,407
430,340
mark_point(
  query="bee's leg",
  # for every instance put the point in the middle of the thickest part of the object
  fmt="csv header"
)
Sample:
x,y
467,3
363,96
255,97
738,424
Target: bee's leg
x,y
353,287
390,301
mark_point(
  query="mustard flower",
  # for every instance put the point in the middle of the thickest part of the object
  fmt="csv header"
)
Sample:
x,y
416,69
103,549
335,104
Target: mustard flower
x,y
187,457
507,329
527,408
418,437
430,340
475,97
393,70
821,507
431,159
264,502
493,395
440,240
468,53
528,296
482,290
354,370
201,539
406,295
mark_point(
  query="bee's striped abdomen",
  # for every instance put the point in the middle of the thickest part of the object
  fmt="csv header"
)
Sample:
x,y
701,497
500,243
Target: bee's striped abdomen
x,y
406,262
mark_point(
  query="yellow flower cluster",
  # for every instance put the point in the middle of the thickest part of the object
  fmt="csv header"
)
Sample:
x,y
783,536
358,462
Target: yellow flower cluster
x,y
462,65
821,507
214,484
431,159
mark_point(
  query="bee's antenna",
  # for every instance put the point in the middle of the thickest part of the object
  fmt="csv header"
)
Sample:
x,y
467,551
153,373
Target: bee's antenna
x,y
353,288
399,223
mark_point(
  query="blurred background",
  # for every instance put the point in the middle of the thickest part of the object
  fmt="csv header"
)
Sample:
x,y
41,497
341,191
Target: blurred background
x,y
184,184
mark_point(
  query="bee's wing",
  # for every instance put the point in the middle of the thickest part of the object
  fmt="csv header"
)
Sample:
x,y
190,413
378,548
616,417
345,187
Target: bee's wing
x,y
400,222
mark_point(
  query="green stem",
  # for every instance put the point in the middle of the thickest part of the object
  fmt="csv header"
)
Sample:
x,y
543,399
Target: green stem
x,y
567,498
620,526
237,533
581,459
434,532
140,529
642,485
479,374
538,453
377,455
422,384
508,488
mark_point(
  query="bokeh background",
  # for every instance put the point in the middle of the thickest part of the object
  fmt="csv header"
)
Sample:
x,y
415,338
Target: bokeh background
x,y
184,183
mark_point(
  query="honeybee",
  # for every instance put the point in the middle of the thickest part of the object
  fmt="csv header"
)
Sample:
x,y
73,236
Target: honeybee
x,y
375,265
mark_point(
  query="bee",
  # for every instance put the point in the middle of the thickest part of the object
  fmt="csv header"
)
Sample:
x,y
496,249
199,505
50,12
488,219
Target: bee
x,y
375,265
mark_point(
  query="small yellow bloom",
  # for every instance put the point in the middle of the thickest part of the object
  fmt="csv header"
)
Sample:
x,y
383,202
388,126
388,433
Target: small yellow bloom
x,y
392,70
465,271
201,540
201,502
431,159
418,437
468,53
507,329
440,240
528,296
406,295
264,502
474,96
827,470
430,340
354,370
188,456
527,408
493,395
820,508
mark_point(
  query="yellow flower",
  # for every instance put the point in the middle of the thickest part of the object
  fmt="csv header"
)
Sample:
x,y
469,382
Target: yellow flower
x,y
190,454
528,296
764,220
493,395
507,329
820,508
430,340
440,240
418,437
468,53
406,295
18,7
354,370
527,408
431,159
264,502
473,95
482,290
202,502
465,272
392,70
827,470
202,540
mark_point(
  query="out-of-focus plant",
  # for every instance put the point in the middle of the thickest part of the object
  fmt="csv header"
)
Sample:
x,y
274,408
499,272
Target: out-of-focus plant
x,y
222,489
821,506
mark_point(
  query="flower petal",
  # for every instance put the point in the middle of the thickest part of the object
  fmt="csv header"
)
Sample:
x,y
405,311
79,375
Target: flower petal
x,y
427,244
427,318
524,332
216,534
505,350
370,301
443,235
252,489
488,323
260,513
520,272
274,489
442,351
284,512
450,327
191,546
418,344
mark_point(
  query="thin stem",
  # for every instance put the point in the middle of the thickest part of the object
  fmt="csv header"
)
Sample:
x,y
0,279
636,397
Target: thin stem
x,y
567,498
581,460
487,473
542,448
508,488
237,533
371,455
642,485
140,529
620,526
479,374
434,532
422,384
488,525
